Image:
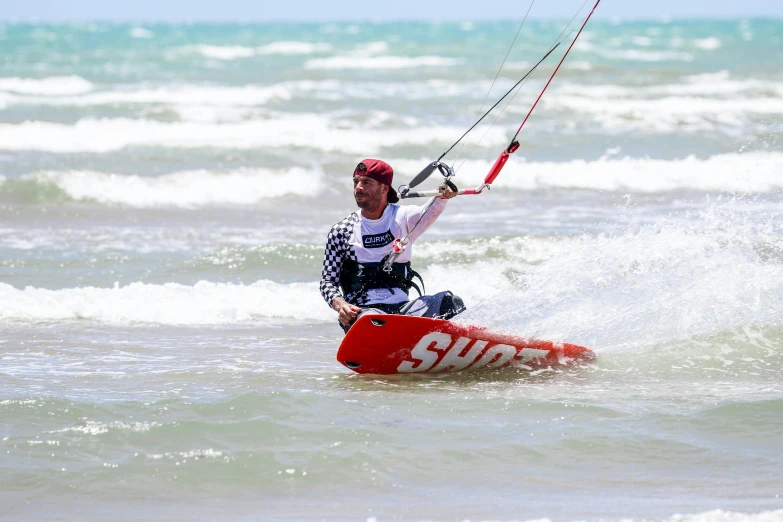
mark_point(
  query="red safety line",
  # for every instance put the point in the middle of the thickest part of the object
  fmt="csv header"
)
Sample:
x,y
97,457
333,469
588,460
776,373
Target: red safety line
x,y
556,69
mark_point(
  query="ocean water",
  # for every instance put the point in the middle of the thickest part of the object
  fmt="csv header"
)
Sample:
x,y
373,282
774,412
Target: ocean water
x,y
165,194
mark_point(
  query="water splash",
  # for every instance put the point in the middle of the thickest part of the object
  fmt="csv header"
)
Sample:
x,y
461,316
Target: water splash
x,y
695,273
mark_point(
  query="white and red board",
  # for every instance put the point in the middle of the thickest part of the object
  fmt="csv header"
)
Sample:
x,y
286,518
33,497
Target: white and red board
x,y
398,344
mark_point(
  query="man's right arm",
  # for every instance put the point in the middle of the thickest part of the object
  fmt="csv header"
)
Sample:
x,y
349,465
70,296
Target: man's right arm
x,y
330,278
333,264
345,310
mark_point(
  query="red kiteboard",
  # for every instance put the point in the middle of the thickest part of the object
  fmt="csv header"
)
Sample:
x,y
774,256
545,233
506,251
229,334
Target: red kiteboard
x,y
398,344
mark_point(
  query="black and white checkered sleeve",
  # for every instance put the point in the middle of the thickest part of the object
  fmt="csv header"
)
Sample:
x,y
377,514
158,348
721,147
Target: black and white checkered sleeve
x,y
337,250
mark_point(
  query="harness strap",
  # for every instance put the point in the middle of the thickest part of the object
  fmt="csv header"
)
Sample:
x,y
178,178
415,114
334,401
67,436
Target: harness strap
x,y
356,278
414,285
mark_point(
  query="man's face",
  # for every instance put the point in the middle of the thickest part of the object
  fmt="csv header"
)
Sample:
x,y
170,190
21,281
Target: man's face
x,y
369,193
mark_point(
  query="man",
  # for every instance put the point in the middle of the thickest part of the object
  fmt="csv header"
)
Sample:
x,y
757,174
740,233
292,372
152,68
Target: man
x,y
353,280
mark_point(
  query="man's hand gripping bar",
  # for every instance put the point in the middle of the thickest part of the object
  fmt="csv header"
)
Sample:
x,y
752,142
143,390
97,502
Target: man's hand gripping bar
x,y
493,173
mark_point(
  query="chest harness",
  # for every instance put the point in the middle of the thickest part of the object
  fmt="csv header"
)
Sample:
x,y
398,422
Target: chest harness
x,y
356,278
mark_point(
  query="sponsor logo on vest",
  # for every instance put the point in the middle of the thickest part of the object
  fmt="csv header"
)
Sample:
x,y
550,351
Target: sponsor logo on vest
x,y
378,240
439,352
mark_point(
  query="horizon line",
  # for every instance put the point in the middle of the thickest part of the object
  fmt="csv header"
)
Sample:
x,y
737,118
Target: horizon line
x,y
378,21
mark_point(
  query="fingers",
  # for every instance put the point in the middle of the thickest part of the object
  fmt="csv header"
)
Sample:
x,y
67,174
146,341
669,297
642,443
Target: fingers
x,y
446,192
345,318
351,311
348,313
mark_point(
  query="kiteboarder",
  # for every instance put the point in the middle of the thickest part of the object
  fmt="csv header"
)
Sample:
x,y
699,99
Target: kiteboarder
x,y
366,254
367,259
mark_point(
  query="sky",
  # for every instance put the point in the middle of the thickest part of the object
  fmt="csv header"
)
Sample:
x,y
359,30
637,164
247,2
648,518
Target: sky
x,y
350,10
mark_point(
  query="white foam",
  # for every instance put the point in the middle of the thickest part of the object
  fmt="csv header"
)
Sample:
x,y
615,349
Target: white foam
x,y
680,277
144,239
700,103
760,172
202,303
635,55
235,52
380,62
719,83
293,48
187,189
212,95
206,113
183,456
221,52
574,65
50,86
578,65
670,113
717,515
141,33
517,66
209,302
707,102
712,87
720,515
223,97
370,48
707,44
99,428
299,130
528,249
642,41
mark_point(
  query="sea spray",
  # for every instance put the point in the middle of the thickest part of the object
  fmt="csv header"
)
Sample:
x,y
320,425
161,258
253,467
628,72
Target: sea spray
x,y
691,274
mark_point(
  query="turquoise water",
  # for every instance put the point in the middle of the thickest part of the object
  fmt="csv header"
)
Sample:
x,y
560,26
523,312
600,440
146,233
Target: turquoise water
x,y
165,193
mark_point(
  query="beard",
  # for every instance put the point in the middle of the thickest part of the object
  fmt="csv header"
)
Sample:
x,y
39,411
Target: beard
x,y
369,201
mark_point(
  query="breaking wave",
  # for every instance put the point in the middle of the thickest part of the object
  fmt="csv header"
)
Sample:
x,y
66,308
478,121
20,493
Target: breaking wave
x,y
171,303
50,86
717,101
105,135
748,173
235,52
380,62
187,189
758,172
696,274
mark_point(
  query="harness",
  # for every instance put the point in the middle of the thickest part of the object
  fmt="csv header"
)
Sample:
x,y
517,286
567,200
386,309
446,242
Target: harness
x,y
356,278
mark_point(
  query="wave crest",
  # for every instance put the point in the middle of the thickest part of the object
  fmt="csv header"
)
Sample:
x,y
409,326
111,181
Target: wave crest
x,y
757,172
51,86
170,303
186,189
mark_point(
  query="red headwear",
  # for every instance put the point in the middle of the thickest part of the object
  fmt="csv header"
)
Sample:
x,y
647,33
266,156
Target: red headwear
x,y
381,172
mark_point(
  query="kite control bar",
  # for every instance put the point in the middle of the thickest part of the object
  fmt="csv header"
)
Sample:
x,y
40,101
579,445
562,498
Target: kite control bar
x,y
448,173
